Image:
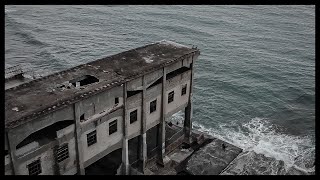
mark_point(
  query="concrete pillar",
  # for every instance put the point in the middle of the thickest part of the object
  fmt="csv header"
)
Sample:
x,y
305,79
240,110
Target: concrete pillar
x,y
125,157
125,150
56,164
187,123
162,158
143,137
12,152
187,127
77,134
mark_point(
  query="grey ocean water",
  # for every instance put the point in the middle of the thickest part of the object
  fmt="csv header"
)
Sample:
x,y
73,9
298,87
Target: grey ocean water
x,y
254,80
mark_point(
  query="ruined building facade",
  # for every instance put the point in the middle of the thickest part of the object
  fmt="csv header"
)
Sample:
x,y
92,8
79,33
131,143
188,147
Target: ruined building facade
x,y
65,122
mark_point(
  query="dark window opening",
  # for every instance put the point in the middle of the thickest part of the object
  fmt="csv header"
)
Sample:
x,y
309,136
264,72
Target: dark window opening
x,y
82,117
132,93
34,167
184,90
177,72
6,152
153,106
92,138
106,165
170,97
116,100
84,80
113,127
62,153
153,141
45,135
159,81
133,116
134,149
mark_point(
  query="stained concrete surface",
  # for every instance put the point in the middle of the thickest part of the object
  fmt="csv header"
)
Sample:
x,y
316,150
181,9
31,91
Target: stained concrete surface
x,y
212,158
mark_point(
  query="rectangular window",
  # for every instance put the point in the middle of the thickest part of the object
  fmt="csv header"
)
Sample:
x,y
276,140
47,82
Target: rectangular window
x,y
92,138
62,153
170,97
113,127
116,100
153,106
34,167
133,116
184,90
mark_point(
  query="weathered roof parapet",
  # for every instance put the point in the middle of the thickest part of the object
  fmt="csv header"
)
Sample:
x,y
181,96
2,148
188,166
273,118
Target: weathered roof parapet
x,y
42,96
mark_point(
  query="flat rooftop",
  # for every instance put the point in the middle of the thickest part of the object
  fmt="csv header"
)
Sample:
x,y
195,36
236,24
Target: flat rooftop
x,y
42,96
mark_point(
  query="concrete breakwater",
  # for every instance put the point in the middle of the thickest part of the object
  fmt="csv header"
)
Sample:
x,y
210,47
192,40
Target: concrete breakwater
x,y
205,155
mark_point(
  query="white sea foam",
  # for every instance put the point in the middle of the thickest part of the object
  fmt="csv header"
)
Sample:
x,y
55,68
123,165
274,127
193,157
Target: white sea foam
x,y
259,135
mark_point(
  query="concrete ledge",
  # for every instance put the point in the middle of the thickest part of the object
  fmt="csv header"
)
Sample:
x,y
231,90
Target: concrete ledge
x,y
101,119
37,152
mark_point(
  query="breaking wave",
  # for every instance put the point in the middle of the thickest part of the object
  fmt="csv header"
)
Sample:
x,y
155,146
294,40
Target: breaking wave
x,y
260,136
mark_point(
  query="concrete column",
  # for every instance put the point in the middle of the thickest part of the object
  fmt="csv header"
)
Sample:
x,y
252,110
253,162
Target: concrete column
x,y
56,164
187,123
188,111
143,137
12,152
77,134
125,150
162,158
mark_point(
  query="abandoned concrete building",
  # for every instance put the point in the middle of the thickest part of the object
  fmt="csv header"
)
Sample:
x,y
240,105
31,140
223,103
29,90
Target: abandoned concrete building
x,y
68,121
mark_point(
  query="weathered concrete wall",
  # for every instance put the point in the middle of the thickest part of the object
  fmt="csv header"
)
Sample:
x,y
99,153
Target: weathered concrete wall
x,y
104,140
7,165
7,158
67,166
100,102
152,94
47,163
18,134
152,77
46,154
176,84
174,66
134,103
27,148
135,84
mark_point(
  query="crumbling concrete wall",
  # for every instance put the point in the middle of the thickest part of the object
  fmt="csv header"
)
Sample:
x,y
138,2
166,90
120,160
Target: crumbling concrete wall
x,y
154,117
7,165
100,102
19,133
46,160
176,84
104,140
68,166
135,84
152,77
46,154
134,103
7,158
